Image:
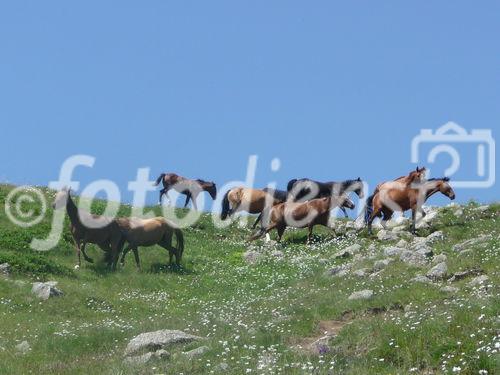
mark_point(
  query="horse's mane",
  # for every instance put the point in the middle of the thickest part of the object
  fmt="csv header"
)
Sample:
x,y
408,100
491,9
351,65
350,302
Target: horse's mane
x,y
445,179
200,181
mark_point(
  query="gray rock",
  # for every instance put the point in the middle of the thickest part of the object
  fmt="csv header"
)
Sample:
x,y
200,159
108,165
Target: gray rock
x,y
392,251
438,272
154,341
196,352
413,259
348,251
439,258
277,254
464,274
425,251
459,213
471,242
421,279
483,208
381,264
252,256
478,281
384,235
363,294
4,269
402,243
362,272
449,289
23,348
46,290
434,237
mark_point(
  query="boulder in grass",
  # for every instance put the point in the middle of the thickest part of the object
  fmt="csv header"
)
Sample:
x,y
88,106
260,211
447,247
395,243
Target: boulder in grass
x,y
5,269
362,294
46,290
154,341
438,272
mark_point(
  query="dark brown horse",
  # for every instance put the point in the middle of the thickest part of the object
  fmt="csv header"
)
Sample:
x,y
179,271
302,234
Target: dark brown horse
x,y
386,201
88,228
300,215
186,186
306,189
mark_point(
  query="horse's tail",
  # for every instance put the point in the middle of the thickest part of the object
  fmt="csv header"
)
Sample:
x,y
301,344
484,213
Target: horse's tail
x,y
180,241
289,187
225,206
369,208
159,179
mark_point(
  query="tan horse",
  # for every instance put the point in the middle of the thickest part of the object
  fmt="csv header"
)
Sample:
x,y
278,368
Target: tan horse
x,y
416,176
387,201
300,215
88,228
190,188
150,232
252,201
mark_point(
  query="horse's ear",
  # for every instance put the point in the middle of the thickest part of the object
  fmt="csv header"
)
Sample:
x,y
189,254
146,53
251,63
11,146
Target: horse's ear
x,y
416,170
359,179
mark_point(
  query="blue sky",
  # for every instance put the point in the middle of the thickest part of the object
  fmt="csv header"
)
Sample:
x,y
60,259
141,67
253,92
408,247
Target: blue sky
x,y
336,90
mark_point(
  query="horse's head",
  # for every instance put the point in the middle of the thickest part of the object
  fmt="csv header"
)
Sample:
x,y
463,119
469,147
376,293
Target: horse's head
x,y
61,199
359,188
418,175
348,203
212,190
446,189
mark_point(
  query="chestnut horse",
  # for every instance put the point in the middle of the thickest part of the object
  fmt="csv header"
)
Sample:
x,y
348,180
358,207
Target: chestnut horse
x,y
416,176
150,232
190,188
388,200
300,215
88,228
252,201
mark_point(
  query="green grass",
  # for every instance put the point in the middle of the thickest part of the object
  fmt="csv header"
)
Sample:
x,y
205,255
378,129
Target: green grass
x,y
252,315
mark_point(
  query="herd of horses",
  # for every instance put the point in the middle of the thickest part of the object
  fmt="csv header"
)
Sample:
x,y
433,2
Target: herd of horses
x,y
305,204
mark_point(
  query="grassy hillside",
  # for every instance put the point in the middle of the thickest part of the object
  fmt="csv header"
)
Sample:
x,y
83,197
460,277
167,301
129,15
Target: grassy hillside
x,y
262,310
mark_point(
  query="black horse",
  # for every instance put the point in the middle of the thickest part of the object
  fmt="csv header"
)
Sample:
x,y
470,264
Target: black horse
x,y
299,190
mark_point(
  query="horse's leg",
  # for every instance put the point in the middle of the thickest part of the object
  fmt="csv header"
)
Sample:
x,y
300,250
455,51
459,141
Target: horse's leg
x,y
281,231
343,209
78,252
414,220
136,256
188,197
84,252
374,214
125,252
257,221
309,235
193,199
166,243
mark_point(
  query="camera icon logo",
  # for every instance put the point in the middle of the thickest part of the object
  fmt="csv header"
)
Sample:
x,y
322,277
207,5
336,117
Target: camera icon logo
x,y
446,139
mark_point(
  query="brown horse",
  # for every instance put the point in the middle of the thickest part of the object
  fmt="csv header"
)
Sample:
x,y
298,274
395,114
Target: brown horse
x,y
388,200
300,215
252,201
150,232
88,228
416,176
190,188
